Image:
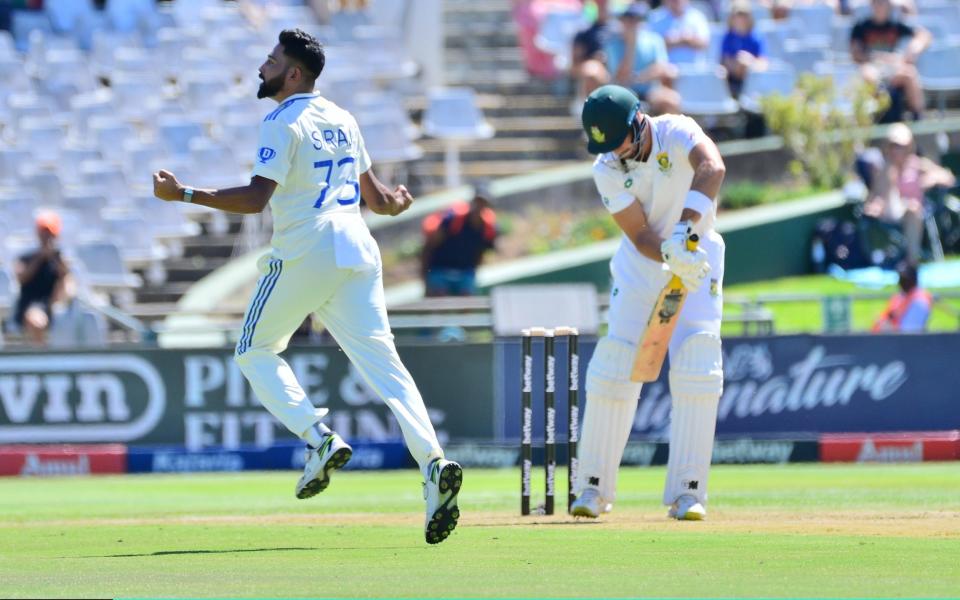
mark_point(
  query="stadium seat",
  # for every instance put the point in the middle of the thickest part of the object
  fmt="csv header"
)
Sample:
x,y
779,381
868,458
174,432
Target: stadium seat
x,y
815,20
389,141
12,161
110,135
939,70
46,184
25,22
452,114
8,290
104,176
176,132
7,46
100,265
130,15
705,92
85,201
804,58
777,79
43,136
65,14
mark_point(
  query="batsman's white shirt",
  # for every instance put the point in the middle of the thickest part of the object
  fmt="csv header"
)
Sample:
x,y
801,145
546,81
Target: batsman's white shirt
x,y
323,261
660,185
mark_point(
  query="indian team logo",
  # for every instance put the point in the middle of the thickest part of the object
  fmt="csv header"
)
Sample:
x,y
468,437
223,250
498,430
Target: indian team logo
x,y
597,135
266,154
663,161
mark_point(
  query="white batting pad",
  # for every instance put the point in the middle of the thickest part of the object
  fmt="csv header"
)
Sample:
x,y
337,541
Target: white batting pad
x,y
608,374
606,429
696,382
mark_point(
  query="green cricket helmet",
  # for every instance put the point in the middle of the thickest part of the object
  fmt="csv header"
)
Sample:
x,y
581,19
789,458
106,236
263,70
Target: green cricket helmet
x,y
607,115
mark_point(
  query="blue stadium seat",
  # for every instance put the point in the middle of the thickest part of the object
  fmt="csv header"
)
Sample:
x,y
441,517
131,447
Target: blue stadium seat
x,y
777,79
704,91
939,70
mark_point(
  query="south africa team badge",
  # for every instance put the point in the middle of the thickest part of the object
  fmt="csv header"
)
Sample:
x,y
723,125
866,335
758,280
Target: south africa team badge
x,y
663,161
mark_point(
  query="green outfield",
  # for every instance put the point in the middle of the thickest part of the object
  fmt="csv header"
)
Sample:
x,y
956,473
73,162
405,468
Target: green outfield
x,y
795,531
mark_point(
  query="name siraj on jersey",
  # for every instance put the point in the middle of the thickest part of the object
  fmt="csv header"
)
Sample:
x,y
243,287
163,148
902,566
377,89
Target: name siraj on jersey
x,y
328,139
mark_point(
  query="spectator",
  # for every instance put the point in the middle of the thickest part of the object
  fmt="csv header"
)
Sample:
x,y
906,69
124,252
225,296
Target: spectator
x,y
587,64
874,44
42,275
454,243
684,29
779,9
638,60
529,15
898,183
742,49
909,309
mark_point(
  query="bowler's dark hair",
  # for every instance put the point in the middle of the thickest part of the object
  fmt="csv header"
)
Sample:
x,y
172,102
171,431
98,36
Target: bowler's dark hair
x,y
304,48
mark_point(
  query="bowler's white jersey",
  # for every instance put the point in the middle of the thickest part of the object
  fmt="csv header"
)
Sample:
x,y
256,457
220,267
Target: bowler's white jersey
x,y
314,151
660,184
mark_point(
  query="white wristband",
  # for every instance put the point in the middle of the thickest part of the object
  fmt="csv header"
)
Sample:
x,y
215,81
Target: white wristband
x,y
699,202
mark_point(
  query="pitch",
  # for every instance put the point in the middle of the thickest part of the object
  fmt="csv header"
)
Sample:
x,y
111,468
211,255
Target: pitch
x,y
795,531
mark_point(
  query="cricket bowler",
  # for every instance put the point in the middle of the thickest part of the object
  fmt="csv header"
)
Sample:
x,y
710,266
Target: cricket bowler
x,y
659,178
313,169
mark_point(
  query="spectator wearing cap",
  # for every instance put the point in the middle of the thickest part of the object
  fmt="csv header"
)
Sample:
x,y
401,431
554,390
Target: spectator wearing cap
x,y
741,50
638,59
684,29
877,45
42,275
898,182
455,241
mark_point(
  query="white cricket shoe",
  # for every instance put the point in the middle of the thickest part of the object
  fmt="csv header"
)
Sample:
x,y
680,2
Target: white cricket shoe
x,y
686,508
440,491
590,504
332,454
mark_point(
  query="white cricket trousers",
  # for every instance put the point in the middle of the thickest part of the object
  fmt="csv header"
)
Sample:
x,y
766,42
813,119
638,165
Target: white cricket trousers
x,y
351,305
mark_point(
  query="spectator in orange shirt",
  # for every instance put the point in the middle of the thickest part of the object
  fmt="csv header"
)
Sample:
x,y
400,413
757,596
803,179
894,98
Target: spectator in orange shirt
x,y
454,243
909,309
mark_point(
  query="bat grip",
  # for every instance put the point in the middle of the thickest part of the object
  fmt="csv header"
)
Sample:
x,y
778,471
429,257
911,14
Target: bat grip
x,y
692,242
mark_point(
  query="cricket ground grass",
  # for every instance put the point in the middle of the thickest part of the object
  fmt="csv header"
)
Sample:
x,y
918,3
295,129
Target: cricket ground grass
x,y
777,531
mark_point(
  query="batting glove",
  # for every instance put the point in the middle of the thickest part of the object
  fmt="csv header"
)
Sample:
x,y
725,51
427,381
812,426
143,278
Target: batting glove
x,y
690,266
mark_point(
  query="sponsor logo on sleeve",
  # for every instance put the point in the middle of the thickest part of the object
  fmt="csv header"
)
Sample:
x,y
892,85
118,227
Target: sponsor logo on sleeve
x,y
266,154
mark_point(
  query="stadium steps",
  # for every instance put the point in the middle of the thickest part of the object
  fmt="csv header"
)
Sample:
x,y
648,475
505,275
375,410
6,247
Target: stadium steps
x,y
534,127
490,168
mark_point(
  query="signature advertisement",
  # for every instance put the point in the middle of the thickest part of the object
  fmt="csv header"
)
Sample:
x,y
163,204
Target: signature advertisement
x,y
794,386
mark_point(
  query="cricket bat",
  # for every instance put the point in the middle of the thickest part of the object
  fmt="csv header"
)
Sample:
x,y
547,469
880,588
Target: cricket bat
x,y
660,326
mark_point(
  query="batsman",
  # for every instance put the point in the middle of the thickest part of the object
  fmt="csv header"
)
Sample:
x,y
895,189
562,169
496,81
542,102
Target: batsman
x,y
659,178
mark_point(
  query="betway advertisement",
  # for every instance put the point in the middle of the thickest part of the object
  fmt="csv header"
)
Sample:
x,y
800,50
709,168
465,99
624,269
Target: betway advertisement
x,y
198,399
791,387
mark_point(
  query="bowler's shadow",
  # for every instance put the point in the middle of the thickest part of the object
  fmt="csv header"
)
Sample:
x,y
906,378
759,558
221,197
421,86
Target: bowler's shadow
x,y
242,550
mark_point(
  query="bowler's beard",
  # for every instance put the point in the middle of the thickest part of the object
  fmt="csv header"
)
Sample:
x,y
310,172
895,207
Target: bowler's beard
x,y
270,87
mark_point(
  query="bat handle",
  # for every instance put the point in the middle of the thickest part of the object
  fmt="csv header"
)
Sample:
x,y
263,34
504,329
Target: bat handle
x,y
692,242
